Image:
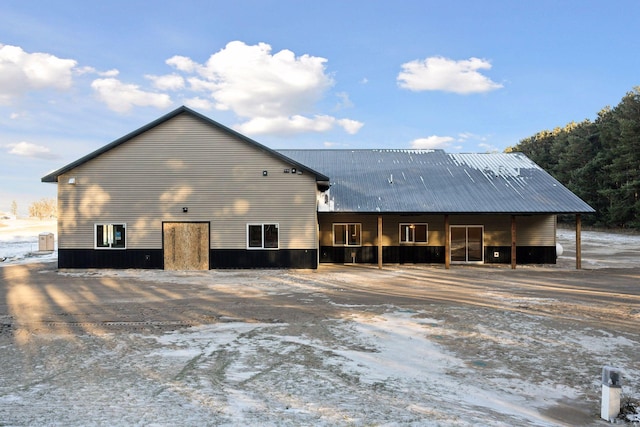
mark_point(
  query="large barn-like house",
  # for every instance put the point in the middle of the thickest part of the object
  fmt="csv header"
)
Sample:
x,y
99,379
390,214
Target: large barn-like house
x,y
185,192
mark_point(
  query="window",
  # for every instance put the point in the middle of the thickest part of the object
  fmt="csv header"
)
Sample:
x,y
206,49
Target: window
x,y
414,233
347,234
111,236
262,236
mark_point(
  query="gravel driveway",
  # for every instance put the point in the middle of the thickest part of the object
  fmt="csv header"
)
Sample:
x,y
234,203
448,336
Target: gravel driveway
x,y
343,345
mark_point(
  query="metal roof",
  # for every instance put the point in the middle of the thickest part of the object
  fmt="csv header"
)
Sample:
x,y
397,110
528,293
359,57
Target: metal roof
x,y
432,181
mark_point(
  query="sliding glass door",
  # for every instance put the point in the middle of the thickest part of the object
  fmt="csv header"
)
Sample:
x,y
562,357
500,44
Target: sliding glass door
x,y
467,243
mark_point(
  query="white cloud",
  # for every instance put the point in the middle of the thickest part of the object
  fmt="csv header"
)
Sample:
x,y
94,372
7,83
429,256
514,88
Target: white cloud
x,y
121,97
200,85
271,92
466,137
91,70
198,103
21,72
438,73
489,148
350,126
344,102
432,142
296,124
109,73
274,92
183,63
253,82
463,136
28,149
85,70
285,125
167,82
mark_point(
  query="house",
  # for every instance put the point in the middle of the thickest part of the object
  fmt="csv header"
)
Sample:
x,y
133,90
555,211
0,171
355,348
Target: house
x,y
185,192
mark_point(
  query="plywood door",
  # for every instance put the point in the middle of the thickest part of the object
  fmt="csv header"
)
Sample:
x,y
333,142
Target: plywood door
x,y
186,245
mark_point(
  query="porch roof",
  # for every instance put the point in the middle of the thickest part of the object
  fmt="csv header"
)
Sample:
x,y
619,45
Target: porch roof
x,y
432,181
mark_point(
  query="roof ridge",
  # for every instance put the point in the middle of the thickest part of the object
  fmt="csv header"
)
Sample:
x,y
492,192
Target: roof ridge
x,y
53,176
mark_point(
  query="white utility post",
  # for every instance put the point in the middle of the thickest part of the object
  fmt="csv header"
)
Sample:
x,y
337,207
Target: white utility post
x,y
611,390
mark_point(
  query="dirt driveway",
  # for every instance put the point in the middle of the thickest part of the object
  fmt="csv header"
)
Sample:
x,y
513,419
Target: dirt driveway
x,y
343,345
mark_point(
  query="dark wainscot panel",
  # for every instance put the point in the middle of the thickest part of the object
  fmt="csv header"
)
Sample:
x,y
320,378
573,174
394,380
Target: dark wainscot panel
x,y
283,258
524,255
125,258
390,254
536,255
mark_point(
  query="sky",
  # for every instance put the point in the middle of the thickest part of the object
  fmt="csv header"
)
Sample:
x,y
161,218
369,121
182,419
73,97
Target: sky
x,y
463,76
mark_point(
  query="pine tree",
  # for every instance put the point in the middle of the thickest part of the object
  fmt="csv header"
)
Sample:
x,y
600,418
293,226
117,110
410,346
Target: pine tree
x,y
599,161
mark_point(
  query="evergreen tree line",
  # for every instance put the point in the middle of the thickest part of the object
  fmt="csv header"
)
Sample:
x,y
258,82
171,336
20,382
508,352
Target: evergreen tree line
x,y
598,160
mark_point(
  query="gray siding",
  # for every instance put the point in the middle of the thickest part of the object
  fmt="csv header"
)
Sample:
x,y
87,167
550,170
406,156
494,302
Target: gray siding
x,y
531,230
184,162
536,230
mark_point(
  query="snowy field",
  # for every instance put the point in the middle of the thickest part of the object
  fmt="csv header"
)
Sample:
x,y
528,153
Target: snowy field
x,y
291,348
19,240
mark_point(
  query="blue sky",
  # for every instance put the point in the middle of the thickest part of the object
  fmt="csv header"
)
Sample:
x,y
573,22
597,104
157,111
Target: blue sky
x,y
464,76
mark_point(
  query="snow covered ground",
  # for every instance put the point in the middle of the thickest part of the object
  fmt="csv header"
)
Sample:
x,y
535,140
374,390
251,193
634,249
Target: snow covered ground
x,y
19,240
377,363
600,249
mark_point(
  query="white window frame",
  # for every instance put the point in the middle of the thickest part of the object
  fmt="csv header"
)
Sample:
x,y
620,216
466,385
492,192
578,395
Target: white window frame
x,y
410,227
262,235
109,235
346,243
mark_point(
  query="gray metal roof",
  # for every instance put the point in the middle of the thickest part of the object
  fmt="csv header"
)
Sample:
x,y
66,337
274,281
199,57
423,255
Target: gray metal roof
x,y
432,181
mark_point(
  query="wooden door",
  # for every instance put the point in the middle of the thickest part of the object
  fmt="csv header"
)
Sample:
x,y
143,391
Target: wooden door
x,y
186,245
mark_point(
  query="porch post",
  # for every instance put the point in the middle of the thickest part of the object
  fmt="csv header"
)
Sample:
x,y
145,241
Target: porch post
x,y
578,242
513,242
379,241
447,243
